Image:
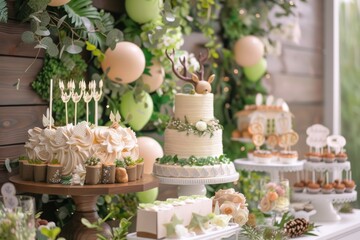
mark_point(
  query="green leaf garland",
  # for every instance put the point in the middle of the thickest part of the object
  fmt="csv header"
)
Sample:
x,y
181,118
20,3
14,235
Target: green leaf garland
x,y
193,161
212,126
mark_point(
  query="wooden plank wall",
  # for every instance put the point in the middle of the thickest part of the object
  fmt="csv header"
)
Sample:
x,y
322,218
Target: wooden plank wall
x,y
297,75
20,109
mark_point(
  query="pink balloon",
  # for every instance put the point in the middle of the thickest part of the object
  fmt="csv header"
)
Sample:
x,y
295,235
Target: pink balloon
x,y
157,76
150,150
248,51
126,62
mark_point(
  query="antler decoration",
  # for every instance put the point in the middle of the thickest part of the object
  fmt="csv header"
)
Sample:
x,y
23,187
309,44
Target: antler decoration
x,y
183,63
201,86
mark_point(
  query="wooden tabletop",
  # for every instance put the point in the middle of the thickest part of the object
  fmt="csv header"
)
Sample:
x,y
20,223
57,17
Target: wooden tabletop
x,y
146,183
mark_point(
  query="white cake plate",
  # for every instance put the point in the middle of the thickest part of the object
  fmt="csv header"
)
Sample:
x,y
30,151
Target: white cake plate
x,y
323,203
232,229
196,186
273,168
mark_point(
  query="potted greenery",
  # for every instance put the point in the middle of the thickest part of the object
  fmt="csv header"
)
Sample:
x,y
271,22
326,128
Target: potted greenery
x,y
121,175
139,168
54,170
22,159
39,170
93,171
131,169
28,170
108,173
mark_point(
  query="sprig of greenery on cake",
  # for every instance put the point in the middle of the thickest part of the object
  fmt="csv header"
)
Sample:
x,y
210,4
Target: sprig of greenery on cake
x,y
92,161
193,161
200,128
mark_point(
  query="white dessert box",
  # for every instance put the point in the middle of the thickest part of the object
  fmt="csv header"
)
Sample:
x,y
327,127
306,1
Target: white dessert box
x,y
150,221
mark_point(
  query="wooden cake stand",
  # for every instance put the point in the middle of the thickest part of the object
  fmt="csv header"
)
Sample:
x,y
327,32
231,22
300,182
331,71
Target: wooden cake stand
x,y
85,198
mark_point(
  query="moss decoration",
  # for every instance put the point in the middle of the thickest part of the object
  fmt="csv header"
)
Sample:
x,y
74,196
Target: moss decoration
x,y
57,70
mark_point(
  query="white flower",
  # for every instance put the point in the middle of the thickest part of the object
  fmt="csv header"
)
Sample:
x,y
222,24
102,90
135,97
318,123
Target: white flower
x,y
242,216
221,220
201,126
181,231
282,204
228,208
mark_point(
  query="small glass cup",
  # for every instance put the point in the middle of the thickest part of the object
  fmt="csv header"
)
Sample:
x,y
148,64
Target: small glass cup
x,y
275,198
17,217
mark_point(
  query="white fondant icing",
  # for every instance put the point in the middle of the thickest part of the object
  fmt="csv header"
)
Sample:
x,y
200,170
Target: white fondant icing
x,y
194,107
166,170
185,145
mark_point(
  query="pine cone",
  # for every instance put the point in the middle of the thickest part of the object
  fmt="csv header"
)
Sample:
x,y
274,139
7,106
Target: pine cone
x,y
296,227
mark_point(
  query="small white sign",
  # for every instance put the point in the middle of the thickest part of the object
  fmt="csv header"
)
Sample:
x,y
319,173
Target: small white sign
x,y
317,129
337,142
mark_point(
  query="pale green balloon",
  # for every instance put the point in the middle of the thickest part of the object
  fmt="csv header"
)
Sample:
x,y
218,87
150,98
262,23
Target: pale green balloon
x,y
148,196
139,112
255,72
142,11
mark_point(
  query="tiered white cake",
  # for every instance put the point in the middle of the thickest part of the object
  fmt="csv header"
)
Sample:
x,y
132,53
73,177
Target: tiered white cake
x,y
193,141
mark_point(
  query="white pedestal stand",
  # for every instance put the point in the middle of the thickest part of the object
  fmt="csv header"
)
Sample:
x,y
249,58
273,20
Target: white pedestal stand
x,y
274,168
196,186
323,203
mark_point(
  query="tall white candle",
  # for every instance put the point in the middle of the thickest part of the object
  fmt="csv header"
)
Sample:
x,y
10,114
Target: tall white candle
x,y
313,176
327,177
51,100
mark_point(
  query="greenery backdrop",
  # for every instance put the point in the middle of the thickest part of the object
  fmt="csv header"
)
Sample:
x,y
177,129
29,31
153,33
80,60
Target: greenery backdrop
x,y
79,29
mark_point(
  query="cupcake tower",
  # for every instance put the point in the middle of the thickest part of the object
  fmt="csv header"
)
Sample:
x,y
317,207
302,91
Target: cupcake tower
x,y
321,183
327,176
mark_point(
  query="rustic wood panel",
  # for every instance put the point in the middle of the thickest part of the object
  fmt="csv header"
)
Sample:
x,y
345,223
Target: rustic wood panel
x,y
114,6
305,116
11,43
11,8
16,121
11,152
297,62
300,89
11,68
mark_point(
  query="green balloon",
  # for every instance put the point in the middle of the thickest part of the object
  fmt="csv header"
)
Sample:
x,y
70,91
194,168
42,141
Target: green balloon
x,y
255,72
142,11
148,196
136,113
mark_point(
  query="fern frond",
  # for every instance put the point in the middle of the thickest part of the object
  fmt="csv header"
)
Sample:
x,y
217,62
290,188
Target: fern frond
x,y
81,8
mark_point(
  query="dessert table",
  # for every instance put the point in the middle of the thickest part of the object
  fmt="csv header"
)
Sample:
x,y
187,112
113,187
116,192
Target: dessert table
x,y
85,198
348,228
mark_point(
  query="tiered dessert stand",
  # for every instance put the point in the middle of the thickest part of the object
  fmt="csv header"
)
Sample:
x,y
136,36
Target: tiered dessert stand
x,y
85,198
275,169
196,186
323,203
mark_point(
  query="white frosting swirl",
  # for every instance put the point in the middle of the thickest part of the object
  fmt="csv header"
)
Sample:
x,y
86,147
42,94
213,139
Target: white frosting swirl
x,y
72,145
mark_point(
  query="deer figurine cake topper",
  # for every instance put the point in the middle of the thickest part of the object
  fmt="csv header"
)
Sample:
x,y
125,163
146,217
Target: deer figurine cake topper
x,y
201,85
